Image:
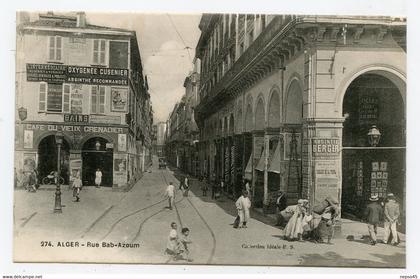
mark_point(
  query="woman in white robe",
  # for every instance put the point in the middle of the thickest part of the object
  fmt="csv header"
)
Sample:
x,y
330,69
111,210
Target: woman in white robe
x,y
294,228
243,204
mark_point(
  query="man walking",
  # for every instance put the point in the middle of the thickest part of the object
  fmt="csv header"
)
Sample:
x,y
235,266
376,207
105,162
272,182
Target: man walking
x,y
392,213
373,215
170,193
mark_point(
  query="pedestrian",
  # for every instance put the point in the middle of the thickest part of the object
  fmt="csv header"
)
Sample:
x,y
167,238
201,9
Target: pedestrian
x,y
204,188
185,241
391,213
247,186
77,186
325,228
294,228
170,194
281,204
373,215
98,178
172,244
243,204
186,186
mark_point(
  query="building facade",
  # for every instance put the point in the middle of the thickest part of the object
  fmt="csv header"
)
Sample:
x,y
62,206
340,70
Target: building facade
x,y
292,103
159,132
183,135
85,82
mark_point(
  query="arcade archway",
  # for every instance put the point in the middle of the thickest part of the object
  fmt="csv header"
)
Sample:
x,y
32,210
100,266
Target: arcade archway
x,y
372,99
97,153
47,158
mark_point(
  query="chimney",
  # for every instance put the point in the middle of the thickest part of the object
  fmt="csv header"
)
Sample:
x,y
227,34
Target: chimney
x,y
81,19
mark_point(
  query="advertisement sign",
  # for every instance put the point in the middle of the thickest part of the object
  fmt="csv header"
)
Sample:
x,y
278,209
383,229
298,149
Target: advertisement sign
x,y
368,109
120,169
76,118
76,99
105,119
75,128
29,162
326,149
122,142
119,99
28,139
326,179
75,168
76,74
55,97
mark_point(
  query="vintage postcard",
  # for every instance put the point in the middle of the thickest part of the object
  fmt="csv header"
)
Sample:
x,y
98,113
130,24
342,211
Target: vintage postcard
x,y
210,139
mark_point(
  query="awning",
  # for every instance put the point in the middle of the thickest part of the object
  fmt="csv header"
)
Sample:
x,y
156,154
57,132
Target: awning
x,y
260,165
274,165
248,169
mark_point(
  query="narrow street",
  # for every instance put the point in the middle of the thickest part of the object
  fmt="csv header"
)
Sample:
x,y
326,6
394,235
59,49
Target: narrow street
x,y
139,219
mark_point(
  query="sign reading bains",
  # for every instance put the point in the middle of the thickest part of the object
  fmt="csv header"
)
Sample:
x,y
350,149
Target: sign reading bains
x,y
76,74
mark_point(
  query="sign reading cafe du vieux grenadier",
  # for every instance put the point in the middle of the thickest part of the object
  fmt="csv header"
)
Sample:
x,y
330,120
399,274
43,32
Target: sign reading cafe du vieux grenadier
x,y
76,74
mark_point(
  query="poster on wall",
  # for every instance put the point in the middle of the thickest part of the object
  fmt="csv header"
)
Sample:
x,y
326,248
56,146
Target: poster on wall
x,y
29,162
75,168
76,98
326,179
120,169
28,140
122,142
119,99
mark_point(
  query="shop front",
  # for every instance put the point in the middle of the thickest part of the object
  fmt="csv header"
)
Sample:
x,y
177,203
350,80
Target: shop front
x,y
85,149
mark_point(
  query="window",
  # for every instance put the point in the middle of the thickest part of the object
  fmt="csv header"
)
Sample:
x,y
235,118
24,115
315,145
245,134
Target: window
x,y
99,52
55,48
97,100
54,97
42,96
66,98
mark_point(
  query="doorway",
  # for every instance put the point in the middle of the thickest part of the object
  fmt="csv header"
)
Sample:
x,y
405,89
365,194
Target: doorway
x,y
97,154
47,158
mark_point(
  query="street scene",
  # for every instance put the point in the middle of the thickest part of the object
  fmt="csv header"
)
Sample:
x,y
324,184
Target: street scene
x,y
210,139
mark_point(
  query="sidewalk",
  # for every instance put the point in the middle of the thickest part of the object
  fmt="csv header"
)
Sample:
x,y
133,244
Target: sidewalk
x,y
349,228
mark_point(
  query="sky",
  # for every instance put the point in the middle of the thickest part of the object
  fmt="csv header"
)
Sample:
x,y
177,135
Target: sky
x,y
167,46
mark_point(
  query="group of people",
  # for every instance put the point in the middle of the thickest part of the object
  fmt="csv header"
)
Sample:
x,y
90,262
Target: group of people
x,y
301,224
388,212
177,246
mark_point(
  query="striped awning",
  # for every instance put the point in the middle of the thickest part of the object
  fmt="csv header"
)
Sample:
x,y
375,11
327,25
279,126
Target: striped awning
x,y
260,165
274,163
248,169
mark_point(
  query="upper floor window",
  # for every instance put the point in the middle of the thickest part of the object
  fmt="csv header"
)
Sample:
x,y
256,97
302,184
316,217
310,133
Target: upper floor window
x,y
99,52
54,97
55,48
97,99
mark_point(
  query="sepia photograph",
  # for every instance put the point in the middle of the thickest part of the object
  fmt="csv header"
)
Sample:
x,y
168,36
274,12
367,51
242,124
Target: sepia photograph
x,y
230,139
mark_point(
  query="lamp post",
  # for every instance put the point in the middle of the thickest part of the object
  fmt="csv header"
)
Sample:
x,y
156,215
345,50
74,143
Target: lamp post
x,y
59,141
374,136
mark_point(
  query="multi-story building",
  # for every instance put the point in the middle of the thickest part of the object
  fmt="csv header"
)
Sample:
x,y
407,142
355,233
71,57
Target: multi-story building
x,y
297,104
85,83
182,140
159,131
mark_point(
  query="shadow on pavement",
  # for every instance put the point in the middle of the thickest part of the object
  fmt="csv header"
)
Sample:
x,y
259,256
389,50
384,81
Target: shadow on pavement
x,y
332,259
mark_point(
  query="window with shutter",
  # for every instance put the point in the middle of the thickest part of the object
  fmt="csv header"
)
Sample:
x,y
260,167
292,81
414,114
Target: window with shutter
x,y
99,49
66,98
101,99
94,97
42,96
55,48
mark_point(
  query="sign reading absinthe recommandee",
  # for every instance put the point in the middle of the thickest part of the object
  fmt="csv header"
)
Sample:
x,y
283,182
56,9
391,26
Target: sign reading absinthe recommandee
x,y
76,74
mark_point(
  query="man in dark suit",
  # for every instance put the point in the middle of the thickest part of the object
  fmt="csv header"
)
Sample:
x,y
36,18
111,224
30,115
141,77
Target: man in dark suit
x,y
373,216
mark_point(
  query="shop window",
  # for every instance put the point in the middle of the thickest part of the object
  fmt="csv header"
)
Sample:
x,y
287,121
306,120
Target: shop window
x,y
55,48
99,52
97,99
42,96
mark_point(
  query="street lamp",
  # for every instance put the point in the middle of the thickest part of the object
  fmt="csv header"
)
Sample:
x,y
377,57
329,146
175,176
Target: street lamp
x,y
374,136
59,141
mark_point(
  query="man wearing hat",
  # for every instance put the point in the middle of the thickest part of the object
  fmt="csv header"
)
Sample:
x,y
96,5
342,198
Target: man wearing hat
x,y
373,216
392,213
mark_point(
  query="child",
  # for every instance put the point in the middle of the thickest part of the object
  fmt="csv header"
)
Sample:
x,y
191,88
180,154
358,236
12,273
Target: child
x,y
77,185
184,241
172,246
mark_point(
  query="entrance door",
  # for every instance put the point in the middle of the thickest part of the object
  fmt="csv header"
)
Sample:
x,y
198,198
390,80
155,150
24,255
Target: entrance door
x,y
47,158
372,100
96,156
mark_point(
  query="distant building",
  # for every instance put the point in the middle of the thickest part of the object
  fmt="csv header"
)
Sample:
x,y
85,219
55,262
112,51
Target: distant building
x,y
182,140
86,82
159,132
291,103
